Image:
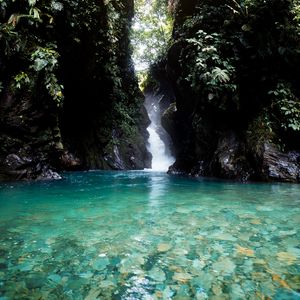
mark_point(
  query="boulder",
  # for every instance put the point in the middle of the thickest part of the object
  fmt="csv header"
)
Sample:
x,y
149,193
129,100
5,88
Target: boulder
x,y
230,159
278,166
16,167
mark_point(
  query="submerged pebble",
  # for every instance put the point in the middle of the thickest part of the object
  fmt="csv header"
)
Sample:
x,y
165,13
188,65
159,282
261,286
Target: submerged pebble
x,y
157,274
224,266
164,247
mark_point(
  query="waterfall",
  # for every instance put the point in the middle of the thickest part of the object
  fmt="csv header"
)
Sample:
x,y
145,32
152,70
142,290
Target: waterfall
x,y
158,144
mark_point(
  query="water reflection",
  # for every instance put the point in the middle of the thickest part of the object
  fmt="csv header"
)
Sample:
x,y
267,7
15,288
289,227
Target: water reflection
x,y
158,188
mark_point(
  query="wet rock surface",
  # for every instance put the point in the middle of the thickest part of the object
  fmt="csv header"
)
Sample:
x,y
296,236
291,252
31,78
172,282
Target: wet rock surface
x,y
280,166
16,168
230,159
29,137
235,159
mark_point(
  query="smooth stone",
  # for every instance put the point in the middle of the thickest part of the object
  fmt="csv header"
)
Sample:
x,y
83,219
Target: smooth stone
x,y
287,257
93,294
180,297
268,289
76,283
198,265
183,210
100,263
167,293
244,251
236,292
248,286
182,277
223,236
131,264
255,222
34,282
106,284
180,251
287,233
183,291
217,289
224,266
157,274
55,278
203,280
248,266
164,247
25,267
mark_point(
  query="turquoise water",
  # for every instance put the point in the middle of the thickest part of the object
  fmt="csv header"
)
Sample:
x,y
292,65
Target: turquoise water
x,y
144,235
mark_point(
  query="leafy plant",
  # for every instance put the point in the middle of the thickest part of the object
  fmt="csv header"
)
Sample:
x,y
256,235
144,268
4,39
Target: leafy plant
x,y
21,80
45,59
151,32
209,71
288,106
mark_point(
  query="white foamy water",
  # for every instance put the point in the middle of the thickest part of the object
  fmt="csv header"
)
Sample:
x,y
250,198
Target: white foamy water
x,y
161,156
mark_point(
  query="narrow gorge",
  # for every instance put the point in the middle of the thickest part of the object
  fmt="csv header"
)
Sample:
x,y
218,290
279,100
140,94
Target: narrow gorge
x,y
70,98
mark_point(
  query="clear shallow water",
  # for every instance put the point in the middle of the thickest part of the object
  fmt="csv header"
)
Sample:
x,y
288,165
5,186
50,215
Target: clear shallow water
x,y
147,235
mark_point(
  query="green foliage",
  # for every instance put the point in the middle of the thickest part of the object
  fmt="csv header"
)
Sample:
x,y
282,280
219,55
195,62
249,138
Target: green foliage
x,y
236,67
45,59
234,52
146,80
21,80
124,119
24,38
152,27
10,40
287,106
210,73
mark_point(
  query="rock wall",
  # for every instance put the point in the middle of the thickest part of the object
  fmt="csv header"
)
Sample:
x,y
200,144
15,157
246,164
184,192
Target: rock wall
x,y
69,98
234,69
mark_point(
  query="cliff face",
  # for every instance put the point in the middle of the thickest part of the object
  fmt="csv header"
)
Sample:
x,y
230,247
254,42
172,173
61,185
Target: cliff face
x,y
234,69
69,97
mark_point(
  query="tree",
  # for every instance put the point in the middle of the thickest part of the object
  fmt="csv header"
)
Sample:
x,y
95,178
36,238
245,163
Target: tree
x,y
151,32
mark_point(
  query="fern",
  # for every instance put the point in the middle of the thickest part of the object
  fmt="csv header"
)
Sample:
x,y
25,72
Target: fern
x,y
220,75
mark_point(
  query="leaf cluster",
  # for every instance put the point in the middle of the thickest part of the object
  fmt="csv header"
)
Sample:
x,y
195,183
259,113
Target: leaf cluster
x,y
210,73
151,31
243,57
